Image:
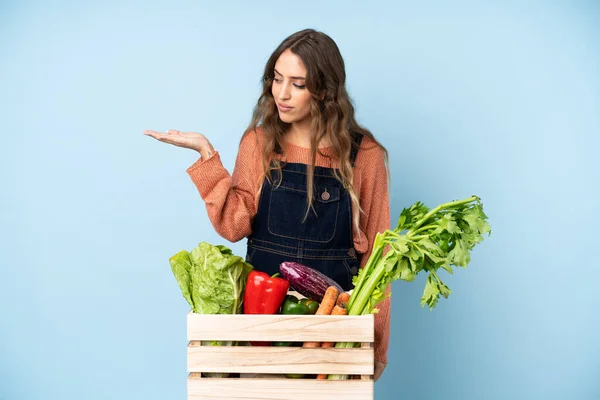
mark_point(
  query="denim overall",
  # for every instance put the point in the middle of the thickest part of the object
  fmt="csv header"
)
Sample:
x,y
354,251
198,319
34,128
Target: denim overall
x,y
323,242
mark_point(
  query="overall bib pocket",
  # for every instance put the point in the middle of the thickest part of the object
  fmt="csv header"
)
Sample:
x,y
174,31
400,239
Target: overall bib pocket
x,y
288,203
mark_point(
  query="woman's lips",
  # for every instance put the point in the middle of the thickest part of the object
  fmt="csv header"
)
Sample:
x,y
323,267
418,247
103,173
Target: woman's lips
x,y
284,108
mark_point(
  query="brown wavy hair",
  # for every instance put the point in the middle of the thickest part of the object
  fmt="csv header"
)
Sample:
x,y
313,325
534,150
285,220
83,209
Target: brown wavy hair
x,y
332,116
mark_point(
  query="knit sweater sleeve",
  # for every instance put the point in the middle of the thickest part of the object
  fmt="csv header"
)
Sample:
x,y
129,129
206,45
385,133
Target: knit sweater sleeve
x,y
230,199
375,217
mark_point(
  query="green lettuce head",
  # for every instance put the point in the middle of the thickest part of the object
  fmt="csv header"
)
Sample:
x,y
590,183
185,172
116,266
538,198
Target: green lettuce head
x,y
211,278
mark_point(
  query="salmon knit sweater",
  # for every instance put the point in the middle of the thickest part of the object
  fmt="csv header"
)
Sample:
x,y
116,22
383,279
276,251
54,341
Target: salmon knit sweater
x,y
232,201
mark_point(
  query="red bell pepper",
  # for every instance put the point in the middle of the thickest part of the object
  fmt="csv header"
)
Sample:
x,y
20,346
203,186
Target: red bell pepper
x,y
264,294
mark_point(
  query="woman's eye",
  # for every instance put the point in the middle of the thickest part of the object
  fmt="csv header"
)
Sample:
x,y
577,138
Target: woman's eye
x,y
279,80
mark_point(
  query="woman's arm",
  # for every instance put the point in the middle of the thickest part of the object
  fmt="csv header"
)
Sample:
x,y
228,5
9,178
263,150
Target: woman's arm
x,y
374,199
231,200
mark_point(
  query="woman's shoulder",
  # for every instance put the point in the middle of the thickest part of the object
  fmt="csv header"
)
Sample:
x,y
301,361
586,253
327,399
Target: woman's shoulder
x,y
370,149
371,160
251,140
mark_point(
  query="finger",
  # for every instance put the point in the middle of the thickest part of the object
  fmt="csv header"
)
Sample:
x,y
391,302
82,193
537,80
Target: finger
x,y
172,139
154,134
165,137
173,132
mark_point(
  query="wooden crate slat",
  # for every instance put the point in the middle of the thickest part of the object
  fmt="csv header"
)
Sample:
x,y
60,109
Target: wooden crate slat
x,y
249,359
318,328
271,389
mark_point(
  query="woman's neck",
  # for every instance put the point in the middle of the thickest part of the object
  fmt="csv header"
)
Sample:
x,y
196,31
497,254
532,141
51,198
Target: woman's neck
x,y
300,135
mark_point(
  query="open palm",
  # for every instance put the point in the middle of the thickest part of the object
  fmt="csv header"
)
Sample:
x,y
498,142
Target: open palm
x,y
189,140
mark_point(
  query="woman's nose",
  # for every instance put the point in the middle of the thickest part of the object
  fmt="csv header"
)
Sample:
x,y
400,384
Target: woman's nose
x,y
285,93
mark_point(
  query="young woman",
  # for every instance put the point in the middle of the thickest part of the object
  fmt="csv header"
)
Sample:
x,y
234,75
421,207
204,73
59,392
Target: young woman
x,y
310,184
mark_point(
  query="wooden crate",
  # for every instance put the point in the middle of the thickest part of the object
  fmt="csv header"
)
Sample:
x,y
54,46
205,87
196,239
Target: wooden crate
x,y
260,368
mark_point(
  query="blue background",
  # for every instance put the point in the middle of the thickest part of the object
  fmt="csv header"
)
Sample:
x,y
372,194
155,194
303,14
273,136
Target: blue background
x,y
500,99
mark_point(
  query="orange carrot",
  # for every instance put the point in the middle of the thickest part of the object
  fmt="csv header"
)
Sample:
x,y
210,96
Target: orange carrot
x,y
328,302
342,299
325,308
337,310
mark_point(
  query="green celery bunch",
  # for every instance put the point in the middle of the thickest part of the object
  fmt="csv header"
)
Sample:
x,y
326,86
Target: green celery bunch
x,y
424,240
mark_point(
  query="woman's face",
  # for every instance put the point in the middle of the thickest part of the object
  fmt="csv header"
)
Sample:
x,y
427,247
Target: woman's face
x,y
289,90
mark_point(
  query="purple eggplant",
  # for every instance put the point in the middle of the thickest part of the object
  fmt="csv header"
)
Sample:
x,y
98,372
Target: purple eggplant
x,y
307,281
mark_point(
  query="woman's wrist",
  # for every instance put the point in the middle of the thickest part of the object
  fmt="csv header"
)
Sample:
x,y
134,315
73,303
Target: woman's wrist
x,y
206,152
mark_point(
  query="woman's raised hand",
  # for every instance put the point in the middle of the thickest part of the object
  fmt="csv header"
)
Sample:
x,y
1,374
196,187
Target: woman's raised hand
x,y
188,140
